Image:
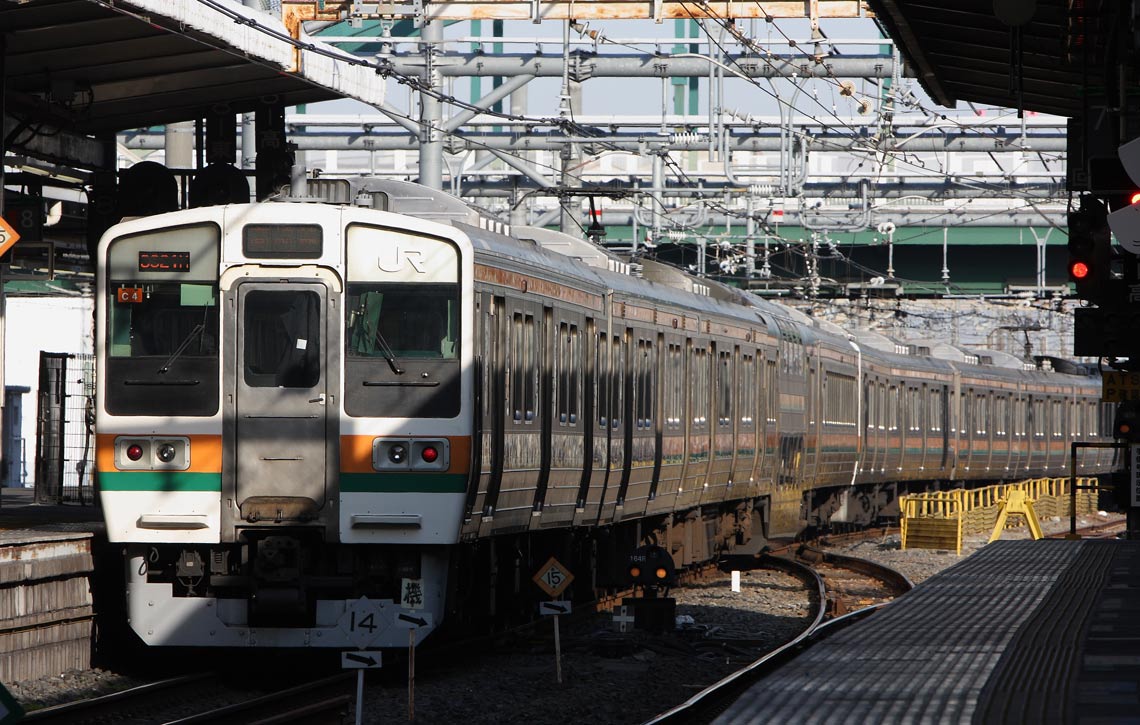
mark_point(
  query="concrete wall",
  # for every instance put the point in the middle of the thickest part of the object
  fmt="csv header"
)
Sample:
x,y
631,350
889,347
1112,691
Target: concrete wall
x,y
35,324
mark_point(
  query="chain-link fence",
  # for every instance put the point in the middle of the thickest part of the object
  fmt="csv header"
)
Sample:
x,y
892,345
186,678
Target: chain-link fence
x,y
65,429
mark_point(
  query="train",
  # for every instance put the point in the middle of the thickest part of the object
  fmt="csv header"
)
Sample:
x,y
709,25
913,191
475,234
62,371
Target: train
x,y
365,410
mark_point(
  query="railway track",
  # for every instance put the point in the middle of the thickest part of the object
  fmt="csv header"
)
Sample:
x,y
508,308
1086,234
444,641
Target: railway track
x,y
852,583
321,702
1107,530
848,590
844,590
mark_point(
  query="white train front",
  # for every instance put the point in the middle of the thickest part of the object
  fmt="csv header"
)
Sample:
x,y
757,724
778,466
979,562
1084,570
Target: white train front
x,y
253,402
325,424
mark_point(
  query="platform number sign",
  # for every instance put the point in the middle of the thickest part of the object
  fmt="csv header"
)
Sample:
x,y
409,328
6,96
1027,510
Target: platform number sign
x,y
553,577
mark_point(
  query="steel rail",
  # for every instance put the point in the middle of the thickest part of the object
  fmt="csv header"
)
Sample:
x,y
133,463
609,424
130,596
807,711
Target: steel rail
x,y
312,702
94,708
711,701
714,697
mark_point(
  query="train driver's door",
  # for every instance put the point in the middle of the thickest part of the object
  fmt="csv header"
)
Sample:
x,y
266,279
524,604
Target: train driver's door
x,y
282,387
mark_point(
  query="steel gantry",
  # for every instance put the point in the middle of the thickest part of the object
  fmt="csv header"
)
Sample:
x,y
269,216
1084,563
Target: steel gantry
x,y
877,155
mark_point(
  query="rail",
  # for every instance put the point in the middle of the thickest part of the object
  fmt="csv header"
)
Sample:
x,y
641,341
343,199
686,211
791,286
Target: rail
x,y
711,701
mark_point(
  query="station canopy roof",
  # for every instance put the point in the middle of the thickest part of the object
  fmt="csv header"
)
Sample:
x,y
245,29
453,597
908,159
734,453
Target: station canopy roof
x,y
80,69
961,50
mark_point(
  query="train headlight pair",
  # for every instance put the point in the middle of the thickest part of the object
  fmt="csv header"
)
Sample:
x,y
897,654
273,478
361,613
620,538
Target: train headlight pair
x,y
410,454
166,452
398,454
143,454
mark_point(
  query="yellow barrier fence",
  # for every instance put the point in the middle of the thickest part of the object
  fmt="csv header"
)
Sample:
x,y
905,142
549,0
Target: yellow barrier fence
x,y
939,520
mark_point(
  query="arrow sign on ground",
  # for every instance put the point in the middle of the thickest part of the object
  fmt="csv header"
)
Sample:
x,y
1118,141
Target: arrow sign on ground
x,y
362,660
554,607
8,236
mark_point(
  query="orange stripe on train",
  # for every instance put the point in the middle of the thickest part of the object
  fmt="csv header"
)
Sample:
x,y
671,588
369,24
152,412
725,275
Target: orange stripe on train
x,y
205,451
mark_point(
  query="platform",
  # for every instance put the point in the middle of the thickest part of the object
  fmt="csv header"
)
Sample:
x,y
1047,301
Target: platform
x,y
1022,632
19,510
47,586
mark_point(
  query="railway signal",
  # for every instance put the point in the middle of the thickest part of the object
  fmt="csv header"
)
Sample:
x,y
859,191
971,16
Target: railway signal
x,y
1090,250
652,567
1126,422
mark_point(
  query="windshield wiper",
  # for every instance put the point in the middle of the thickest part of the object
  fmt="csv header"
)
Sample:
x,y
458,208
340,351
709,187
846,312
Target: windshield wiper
x,y
198,329
387,352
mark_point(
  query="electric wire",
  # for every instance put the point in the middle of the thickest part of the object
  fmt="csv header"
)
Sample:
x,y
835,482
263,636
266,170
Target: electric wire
x,y
568,125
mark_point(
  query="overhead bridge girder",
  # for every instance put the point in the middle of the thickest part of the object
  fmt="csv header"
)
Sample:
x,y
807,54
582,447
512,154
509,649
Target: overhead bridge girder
x,y
532,10
644,65
636,142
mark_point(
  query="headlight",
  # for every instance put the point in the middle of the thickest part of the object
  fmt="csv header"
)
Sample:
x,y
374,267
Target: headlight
x,y
166,452
397,454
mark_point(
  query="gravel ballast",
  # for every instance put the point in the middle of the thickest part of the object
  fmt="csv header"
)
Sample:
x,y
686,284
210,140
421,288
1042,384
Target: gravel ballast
x,y
607,677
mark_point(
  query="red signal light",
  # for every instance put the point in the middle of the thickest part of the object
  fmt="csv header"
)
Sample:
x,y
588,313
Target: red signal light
x,y
429,454
1134,198
134,451
1079,270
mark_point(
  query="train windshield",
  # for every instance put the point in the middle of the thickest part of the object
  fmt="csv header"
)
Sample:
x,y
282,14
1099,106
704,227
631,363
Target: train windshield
x,y
401,324
162,322
413,321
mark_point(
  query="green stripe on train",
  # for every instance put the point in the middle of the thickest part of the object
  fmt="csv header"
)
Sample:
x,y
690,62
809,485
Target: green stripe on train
x,y
403,482
159,481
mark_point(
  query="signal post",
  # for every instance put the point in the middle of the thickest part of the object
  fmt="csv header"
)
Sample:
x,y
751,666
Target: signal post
x,y
1107,276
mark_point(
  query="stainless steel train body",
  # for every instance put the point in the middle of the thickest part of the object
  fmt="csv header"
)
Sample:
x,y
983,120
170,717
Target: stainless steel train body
x,y
325,424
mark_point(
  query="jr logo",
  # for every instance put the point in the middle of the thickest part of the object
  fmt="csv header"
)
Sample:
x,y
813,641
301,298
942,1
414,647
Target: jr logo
x,y
396,261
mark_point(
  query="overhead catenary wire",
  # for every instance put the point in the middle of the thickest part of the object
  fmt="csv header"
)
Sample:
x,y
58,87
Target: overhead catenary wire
x,y
568,124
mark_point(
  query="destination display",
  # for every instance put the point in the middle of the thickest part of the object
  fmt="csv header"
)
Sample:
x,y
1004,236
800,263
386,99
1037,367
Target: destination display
x,y
281,241
164,261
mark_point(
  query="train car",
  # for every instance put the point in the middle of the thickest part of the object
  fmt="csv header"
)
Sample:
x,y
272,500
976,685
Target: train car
x,y
322,419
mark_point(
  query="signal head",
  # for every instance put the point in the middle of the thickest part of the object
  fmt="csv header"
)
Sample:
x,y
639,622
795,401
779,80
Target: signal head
x,y
1090,249
651,566
1126,422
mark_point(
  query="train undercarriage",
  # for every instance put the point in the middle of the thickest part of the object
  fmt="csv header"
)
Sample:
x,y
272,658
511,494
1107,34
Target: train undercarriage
x,y
287,576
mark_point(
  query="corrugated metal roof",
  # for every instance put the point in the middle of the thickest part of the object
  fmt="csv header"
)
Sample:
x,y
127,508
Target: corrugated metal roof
x,y
961,51
91,68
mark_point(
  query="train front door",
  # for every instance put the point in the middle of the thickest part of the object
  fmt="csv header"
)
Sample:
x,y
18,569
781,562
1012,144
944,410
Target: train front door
x,y
282,407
